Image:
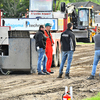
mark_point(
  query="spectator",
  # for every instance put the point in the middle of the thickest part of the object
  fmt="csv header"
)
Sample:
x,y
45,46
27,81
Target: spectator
x,y
68,47
40,48
96,55
49,49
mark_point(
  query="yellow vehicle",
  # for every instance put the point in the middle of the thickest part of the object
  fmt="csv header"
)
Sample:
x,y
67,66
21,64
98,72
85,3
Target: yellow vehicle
x,y
84,23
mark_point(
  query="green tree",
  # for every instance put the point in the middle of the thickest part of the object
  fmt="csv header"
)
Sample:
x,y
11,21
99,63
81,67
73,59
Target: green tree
x,y
95,1
58,2
14,8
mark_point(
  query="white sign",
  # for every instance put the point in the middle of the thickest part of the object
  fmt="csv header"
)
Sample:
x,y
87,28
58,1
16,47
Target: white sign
x,y
40,14
40,5
28,23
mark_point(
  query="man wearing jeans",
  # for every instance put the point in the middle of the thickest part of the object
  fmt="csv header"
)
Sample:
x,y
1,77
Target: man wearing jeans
x,y
40,48
68,47
96,55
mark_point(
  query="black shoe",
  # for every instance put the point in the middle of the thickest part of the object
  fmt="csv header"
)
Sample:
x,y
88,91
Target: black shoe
x,y
67,76
91,77
41,73
47,73
60,76
51,72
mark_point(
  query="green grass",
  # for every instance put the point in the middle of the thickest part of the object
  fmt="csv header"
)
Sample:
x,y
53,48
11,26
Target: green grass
x,y
97,97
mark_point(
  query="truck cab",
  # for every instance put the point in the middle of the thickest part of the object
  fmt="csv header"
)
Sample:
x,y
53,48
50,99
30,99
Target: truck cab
x,y
86,18
84,23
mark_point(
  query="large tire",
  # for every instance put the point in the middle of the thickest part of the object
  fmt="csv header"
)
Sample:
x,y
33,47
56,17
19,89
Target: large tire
x,y
89,39
55,57
60,58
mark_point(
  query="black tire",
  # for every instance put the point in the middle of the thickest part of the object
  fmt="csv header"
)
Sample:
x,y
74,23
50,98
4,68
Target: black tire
x,y
55,57
89,39
60,58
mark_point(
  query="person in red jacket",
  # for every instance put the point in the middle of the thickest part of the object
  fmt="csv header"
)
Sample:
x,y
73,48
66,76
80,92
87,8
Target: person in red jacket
x,y
49,49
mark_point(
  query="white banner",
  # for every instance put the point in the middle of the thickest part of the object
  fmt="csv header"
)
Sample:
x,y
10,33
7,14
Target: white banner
x,y
28,23
40,14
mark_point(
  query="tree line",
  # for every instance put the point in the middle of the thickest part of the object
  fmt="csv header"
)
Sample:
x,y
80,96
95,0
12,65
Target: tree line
x,y
18,8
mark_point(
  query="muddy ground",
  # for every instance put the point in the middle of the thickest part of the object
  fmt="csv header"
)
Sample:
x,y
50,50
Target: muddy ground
x,y
34,87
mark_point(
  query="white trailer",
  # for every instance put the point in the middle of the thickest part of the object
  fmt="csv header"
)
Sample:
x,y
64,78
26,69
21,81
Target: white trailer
x,y
41,12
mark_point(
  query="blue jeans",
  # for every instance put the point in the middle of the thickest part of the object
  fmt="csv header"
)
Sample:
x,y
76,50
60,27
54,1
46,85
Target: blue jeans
x,y
64,57
95,62
42,59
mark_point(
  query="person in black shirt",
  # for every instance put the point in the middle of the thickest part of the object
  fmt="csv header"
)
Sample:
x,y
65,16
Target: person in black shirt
x,y
68,47
40,48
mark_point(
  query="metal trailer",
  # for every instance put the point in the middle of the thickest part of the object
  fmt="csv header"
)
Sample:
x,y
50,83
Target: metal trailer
x,y
21,44
17,51
19,24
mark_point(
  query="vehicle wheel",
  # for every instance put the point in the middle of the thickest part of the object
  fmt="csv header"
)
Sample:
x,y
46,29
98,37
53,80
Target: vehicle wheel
x,y
89,39
55,57
92,40
60,58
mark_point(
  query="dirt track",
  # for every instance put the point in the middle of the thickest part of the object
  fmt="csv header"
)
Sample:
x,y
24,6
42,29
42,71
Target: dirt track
x,y
49,87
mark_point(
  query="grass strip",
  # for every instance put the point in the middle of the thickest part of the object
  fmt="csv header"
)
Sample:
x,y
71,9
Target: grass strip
x,y
97,97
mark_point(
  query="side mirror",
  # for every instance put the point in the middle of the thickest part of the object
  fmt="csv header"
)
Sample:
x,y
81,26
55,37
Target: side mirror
x,y
62,6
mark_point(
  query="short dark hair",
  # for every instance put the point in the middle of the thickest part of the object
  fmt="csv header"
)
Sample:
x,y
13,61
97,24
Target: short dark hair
x,y
41,26
69,25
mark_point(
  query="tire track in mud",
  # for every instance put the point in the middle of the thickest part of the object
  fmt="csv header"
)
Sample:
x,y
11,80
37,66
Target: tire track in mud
x,y
85,88
81,62
83,55
83,58
35,87
20,83
58,86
